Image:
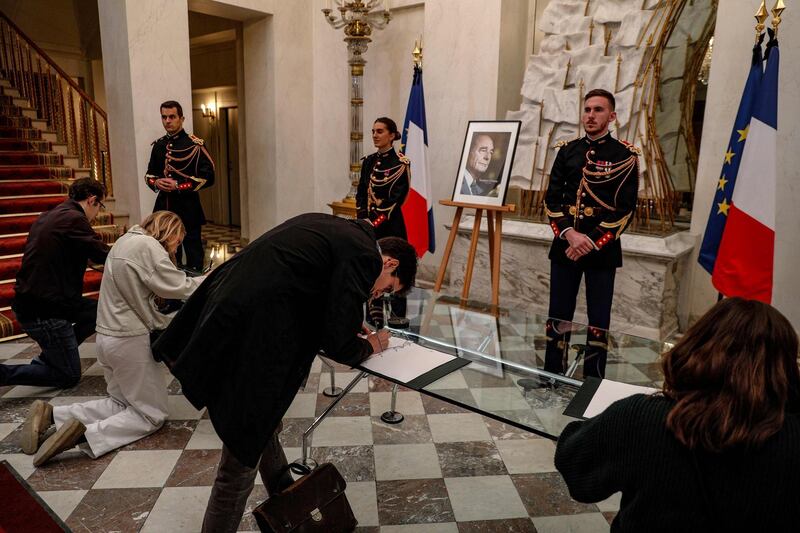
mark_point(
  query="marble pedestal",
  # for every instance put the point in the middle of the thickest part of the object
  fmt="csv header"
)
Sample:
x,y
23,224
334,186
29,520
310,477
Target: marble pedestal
x,y
647,285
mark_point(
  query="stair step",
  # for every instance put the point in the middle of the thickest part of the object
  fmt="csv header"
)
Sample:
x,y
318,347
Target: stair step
x,y
29,112
24,145
39,123
9,91
21,102
21,187
12,205
10,132
12,158
23,172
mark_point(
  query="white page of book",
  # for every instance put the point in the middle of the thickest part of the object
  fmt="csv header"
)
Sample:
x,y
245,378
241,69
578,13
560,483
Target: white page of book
x,y
404,360
609,392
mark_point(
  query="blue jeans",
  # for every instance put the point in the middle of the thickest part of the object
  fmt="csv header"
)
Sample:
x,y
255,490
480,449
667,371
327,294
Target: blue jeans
x,y
59,363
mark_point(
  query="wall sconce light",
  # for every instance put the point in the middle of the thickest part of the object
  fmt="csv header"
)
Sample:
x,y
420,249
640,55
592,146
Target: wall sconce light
x,y
209,111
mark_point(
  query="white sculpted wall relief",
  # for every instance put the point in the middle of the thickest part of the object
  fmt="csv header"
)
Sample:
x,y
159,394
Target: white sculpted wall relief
x,y
643,51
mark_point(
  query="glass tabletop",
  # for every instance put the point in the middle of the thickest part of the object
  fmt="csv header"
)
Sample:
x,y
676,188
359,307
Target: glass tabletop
x,y
505,378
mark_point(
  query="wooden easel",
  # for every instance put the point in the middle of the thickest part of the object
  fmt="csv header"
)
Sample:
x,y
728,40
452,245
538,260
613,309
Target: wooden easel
x,y
494,217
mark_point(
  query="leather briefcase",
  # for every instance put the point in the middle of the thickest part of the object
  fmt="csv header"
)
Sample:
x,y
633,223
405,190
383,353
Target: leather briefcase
x,y
314,503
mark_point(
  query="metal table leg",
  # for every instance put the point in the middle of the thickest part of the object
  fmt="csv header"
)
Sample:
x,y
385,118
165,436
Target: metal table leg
x,y
305,459
333,391
391,416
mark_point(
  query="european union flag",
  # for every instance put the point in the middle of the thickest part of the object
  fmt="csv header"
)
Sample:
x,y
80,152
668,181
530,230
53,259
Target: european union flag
x,y
730,166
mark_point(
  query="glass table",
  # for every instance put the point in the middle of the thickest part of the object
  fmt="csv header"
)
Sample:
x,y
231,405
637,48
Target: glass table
x,y
505,349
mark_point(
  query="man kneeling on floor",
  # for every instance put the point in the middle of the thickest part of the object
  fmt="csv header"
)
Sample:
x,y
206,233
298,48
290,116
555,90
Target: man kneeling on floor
x,y
244,342
47,294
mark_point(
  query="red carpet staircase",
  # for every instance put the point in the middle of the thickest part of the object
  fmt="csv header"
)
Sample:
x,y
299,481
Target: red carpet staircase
x,y
35,173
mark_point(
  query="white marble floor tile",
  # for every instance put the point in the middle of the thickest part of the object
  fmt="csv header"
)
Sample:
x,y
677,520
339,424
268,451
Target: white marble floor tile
x,y
443,527
342,379
610,504
626,373
178,510
94,370
453,380
579,523
406,461
459,427
408,403
27,391
499,399
527,456
87,350
180,408
147,468
204,437
9,350
484,498
20,462
6,428
303,406
63,502
362,496
343,431
638,354
316,366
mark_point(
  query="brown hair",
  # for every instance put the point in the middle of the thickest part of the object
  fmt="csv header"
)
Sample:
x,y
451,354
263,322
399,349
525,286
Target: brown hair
x,y
732,376
164,226
604,94
390,125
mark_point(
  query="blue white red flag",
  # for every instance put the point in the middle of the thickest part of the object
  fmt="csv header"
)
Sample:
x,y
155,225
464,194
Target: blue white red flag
x,y
718,217
745,259
418,207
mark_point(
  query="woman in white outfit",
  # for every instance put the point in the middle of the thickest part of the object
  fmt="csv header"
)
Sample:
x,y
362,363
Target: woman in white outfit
x,y
139,268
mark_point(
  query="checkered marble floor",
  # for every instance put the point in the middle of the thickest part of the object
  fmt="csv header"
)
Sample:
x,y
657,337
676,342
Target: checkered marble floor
x,y
441,469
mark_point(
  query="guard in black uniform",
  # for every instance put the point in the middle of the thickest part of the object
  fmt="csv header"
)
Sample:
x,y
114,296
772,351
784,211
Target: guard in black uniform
x,y
180,166
590,202
382,189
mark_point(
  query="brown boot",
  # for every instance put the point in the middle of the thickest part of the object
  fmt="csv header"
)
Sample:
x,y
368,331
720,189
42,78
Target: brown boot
x,y
67,436
40,417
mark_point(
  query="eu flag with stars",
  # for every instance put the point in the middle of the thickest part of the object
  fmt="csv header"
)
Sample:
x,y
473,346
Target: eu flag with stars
x,y
730,166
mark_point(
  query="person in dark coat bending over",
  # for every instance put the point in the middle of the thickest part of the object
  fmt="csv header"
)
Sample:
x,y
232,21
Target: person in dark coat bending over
x,y
590,201
180,166
244,341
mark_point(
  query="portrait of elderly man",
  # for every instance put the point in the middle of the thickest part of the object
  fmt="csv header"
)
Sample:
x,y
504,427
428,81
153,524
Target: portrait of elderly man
x,y
476,180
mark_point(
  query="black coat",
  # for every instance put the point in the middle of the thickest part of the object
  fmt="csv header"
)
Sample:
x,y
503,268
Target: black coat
x,y
50,280
600,206
382,189
182,157
245,340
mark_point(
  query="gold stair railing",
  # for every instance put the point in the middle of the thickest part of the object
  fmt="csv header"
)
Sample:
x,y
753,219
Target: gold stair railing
x,y
76,119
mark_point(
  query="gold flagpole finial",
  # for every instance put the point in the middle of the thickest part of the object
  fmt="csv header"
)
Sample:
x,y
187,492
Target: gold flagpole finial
x,y
776,14
417,53
761,17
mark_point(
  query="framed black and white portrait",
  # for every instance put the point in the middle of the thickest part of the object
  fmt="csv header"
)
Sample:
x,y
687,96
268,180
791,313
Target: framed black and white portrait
x,y
485,163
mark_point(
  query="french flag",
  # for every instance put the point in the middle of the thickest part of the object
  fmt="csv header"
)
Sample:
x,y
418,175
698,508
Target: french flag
x,y
745,260
418,207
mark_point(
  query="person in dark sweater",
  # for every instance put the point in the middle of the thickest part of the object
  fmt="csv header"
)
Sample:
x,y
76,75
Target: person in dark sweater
x,y
719,450
47,294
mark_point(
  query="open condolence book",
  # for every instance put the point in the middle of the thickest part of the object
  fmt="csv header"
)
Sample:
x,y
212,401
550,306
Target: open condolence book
x,y
595,395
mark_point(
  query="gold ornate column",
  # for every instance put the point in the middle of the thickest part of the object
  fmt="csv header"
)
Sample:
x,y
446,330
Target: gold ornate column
x,y
358,18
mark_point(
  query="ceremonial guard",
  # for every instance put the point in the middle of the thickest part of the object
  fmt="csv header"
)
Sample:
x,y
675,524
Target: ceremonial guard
x,y
384,182
180,166
590,201
382,189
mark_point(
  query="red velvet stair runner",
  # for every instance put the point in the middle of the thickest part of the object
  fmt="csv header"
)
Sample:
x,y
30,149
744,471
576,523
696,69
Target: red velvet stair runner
x,y
33,179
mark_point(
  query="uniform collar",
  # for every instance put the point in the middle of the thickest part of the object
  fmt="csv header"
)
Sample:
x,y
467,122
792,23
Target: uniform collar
x,y
386,153
181,133
599,140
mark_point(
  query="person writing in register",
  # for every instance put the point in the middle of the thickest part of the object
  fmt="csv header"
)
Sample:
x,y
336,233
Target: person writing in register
x,y
719,450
